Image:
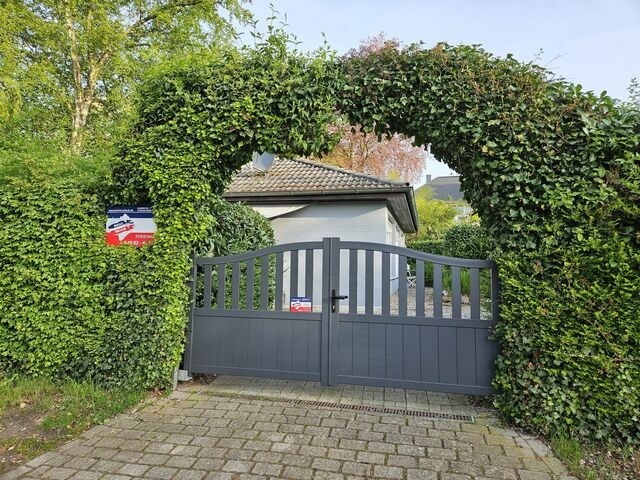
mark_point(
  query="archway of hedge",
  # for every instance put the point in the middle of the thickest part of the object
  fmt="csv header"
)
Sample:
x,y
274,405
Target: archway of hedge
x,y
553,172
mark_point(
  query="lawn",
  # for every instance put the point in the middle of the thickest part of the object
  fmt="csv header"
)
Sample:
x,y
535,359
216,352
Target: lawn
x,y
38,414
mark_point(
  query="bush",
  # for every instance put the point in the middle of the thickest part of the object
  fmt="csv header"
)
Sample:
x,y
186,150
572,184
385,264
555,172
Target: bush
x,y
570,364
72,306
467,240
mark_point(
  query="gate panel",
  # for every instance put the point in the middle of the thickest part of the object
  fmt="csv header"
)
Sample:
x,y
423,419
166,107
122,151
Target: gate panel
x,y
395,330
401,332
242,322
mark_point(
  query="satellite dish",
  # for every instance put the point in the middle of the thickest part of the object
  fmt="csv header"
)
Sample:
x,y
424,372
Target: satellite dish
x,y
262,161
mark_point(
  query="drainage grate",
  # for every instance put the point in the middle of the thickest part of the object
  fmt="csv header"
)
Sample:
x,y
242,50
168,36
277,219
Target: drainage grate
x,y
345,406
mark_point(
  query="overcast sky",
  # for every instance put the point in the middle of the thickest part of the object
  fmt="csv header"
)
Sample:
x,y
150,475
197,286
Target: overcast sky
x,y
592,42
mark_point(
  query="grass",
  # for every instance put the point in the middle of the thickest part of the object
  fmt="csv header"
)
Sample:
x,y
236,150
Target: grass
x,y
596,462
39,414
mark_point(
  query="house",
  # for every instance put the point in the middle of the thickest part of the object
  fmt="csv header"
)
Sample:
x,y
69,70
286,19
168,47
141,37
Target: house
x,y
448,190
307,201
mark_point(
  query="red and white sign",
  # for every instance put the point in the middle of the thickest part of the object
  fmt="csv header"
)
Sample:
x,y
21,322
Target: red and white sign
x,y
130,225
300,304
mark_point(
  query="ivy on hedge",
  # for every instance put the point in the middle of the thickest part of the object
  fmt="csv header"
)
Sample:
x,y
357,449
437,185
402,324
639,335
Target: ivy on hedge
x,y
554,173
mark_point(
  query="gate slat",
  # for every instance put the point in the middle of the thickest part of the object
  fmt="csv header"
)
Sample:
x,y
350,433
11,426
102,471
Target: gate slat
x,y
235,285
353,281
279,282
402,287
419,288
264,282
386,283
456,305
447,355
474,299
368,272
222,274
250,284
429,355
293,277
466,348
207,286
308,274
437,290
411,352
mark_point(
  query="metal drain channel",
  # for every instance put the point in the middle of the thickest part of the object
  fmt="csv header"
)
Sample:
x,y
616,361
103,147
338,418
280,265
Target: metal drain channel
x,y
345,406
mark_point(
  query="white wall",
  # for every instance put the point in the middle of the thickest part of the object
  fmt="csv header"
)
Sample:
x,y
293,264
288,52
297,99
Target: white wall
x,y
350,221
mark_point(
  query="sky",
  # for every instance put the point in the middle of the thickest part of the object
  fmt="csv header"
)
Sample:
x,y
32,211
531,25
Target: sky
x,y
592,42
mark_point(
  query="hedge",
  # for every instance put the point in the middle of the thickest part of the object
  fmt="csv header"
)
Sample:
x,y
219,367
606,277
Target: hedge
x,y
72,306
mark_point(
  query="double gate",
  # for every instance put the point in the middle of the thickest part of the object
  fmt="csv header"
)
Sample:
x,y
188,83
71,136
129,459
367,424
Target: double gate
x,y
346,312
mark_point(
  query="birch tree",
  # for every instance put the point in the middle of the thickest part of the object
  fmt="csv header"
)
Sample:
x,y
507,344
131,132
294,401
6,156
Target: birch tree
x,y
76,60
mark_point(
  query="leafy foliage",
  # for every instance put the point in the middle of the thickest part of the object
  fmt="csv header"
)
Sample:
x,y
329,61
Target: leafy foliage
x,y
74,63
554,173
467,240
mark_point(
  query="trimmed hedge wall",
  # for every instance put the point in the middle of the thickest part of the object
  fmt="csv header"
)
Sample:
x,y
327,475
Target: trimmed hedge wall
x,y
72,306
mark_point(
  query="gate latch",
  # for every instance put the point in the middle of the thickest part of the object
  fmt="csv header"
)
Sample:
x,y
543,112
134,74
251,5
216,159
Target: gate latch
x,y
335,297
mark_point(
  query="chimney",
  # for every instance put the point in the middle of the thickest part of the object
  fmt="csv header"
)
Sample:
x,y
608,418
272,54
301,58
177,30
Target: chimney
x,y
428,179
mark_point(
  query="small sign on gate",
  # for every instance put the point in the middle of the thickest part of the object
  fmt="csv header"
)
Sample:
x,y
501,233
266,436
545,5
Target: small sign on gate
x,y
300,304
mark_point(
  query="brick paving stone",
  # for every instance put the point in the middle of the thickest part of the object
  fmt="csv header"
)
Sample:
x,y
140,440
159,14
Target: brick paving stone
x,y
372,458
387,472
326,464
502,473
358,469
209,464
413,474
271,469
190,475
161,473
298,473
341,454
297,460
237,466
60,473
529,475
133,469
86,475
454,476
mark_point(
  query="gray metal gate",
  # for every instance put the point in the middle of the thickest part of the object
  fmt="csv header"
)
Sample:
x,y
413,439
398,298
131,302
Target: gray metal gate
x,y
346,312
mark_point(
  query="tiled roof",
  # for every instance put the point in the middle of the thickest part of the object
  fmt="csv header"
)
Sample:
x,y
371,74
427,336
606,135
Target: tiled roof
x,y
287,175
444,188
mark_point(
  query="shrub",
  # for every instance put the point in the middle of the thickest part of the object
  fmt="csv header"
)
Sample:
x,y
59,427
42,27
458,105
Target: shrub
x,y
467,240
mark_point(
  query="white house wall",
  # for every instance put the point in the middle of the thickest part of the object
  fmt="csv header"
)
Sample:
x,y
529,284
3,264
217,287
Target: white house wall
x,y
350,221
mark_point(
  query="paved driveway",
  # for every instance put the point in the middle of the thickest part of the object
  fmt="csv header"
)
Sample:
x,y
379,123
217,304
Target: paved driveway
x,y
246,428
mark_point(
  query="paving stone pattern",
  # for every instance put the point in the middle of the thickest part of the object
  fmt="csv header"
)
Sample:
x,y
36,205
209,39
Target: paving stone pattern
x,y
200,432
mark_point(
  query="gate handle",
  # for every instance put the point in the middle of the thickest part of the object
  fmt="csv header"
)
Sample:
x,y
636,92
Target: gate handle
x,y
335,297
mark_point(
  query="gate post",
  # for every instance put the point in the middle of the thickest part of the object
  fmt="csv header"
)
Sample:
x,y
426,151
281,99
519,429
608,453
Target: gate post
x,y
186,358
329,329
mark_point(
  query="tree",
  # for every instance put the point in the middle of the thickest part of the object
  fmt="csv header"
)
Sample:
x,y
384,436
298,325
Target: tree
x,y
393,157
435,217
74,60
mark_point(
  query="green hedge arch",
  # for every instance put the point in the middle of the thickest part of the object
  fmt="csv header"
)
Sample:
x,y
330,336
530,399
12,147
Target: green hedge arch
x,y
552,170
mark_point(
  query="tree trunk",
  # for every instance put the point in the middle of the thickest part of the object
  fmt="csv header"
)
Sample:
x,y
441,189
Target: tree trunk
x,y
79,123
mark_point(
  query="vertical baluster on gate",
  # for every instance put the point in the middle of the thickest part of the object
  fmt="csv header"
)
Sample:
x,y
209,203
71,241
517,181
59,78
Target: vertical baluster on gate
x,y
456,296
207,286
308,275
279,281
419,288
222,276
368,282
474,274
264,282
293,277
386,283
495,294
437,290
353,281
250,285
235,285
402,287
